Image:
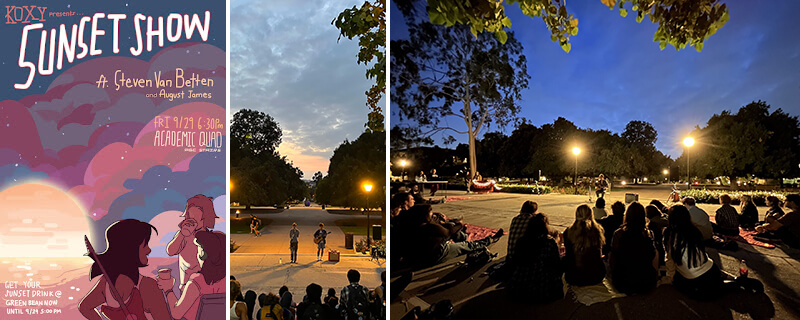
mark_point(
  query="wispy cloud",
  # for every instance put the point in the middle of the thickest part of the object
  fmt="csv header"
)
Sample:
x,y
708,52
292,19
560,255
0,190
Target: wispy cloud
x,y
286,62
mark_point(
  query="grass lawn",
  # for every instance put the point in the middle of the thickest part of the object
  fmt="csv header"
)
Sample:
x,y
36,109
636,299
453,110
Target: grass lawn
x,y
359,227
242,225
354,212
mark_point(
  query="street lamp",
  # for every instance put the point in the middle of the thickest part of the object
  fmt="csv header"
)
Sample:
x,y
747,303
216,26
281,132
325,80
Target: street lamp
x,y
367,188
666,175
403,164
688,142
576,151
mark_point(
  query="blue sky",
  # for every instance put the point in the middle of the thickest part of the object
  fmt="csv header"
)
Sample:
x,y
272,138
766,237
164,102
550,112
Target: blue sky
x,y
615,73
286,62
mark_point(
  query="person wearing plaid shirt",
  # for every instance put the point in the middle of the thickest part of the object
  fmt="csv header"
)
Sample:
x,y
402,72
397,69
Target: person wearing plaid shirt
x,y
518,226
348,293
727,219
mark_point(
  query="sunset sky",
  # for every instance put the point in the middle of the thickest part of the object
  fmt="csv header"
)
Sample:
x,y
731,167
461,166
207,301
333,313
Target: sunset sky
x,y
286,62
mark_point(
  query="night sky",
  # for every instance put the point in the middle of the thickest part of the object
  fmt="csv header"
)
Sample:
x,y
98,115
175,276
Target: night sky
x,y
9,51
615,73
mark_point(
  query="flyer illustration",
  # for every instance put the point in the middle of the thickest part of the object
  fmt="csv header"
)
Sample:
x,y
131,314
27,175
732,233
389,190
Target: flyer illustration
x,y
112,160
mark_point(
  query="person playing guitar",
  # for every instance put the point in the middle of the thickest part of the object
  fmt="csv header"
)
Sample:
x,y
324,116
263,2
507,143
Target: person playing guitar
x,y
319,239
601,186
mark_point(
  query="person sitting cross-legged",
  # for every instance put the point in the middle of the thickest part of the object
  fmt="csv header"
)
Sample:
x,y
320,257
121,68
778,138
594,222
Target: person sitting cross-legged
x,y
632,260
537,271
727,219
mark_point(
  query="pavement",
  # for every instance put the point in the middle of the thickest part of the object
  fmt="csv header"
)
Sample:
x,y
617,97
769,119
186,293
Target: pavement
x,y
262,263
475,296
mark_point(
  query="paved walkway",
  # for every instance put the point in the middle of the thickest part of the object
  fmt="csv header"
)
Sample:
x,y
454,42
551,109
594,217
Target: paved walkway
x,y
261,263
473,293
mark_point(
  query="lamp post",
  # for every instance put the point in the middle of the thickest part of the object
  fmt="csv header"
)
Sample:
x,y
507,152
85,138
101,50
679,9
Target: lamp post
x,y
367,188
403,164
666,175
688,142
576,151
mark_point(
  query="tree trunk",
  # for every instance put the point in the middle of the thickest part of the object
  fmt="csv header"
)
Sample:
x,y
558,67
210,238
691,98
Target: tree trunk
x,y
734,185
473,166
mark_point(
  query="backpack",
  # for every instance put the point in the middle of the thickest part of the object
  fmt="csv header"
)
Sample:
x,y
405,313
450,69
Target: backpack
x,y
479,257
313,312
357,304
268,313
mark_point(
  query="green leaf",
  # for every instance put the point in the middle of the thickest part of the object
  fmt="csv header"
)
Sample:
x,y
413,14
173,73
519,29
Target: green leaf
x,y
574,31
553,37
623,12
566,46
662,45
635,8
574,23
506,22
699,47
502,36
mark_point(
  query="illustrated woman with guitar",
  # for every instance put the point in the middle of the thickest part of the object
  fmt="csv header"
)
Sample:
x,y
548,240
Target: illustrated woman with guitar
x,y
319,239
121,291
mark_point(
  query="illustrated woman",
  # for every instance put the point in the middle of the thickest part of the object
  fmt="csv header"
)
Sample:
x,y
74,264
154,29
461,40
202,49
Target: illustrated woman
x,y
211,252
126,252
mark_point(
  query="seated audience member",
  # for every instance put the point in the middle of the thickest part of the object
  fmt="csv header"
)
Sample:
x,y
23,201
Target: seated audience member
x,y
774,212
599,209
584,240
518,226
611,223
537,271
331,298
354,302
238,308
787,227
749,216
312,307
632,260
401,202
430,240
286,302
270,307
699,218
727,219
697,276
661,207
656,225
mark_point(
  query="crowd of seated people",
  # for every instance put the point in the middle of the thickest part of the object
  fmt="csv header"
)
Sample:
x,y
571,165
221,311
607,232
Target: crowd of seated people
x,y
354,302
628,247
422,238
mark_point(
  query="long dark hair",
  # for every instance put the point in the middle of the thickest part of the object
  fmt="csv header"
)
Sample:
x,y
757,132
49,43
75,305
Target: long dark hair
x,y
214,252
533,241
682,236
124,238
635,221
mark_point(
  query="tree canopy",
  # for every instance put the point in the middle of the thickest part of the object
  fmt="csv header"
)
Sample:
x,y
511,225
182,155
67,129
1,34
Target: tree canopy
x,y
751,141
352,165
440,73
680,22
368,24
260,175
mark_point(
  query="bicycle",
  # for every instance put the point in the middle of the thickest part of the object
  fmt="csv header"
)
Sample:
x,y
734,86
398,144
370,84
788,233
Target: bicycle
x,y
674,196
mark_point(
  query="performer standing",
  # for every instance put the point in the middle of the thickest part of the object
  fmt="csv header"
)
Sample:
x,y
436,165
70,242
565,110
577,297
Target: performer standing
x,y
319,239
435,187
601,186
293,234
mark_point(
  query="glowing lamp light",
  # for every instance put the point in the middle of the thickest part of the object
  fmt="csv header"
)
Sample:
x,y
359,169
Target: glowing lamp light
x,y
368,187
666,172
645,179
231,184
403,163
624,183
689,141
576,151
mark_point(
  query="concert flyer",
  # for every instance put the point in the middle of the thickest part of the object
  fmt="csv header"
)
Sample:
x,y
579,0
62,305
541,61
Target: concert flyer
x,y
112,159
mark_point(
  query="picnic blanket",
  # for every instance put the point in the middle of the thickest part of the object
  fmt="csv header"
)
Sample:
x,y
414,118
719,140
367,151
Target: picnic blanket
x,y
475,232
745,236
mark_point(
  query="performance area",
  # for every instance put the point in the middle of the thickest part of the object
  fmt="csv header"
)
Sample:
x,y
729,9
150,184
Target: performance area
x,y
475,295
262,263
